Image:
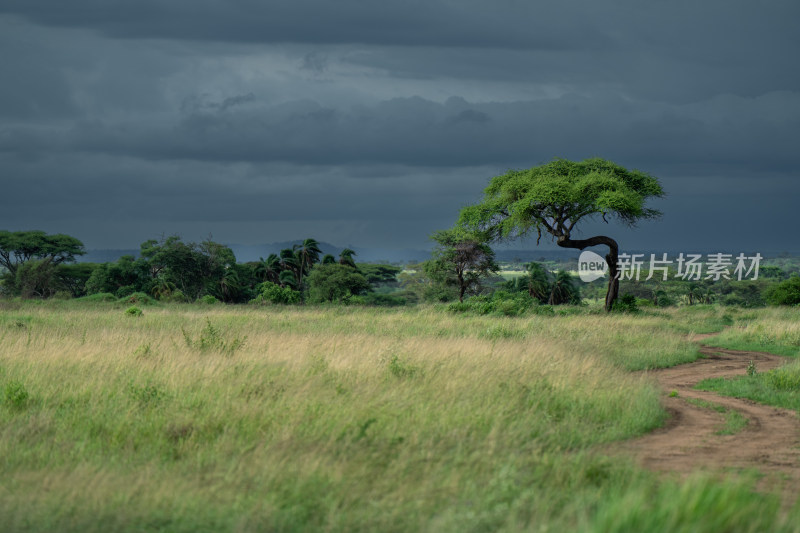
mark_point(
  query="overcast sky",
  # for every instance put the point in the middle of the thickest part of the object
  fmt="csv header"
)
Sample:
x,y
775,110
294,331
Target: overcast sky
x,y
370,123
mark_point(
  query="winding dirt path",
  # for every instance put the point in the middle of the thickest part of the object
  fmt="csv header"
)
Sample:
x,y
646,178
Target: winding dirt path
x,y
770,443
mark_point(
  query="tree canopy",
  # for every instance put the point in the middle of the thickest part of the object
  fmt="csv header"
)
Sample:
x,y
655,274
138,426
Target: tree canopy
x,y
18,247
556,196
553,198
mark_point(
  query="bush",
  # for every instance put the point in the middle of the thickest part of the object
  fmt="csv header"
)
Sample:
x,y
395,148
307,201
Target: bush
x,y
272,293
212,338
133,311
139,298
125,290
335,283
784,293
382,300
15,395
175,296
499,303
207,300
626,304
666,301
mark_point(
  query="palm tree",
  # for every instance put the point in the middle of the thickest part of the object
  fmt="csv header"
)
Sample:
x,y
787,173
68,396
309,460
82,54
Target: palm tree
x,y
230,285
308,252
328,259
538,283
706,296
346,257
269,269
162,288
288,279
564,290
693,292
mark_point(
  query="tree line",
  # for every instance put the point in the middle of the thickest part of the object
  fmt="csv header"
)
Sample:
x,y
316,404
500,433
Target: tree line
x,y
38,265
552,199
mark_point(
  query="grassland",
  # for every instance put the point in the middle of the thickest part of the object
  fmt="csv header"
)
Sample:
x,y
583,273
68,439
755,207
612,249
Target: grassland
x,y
775,330
191,418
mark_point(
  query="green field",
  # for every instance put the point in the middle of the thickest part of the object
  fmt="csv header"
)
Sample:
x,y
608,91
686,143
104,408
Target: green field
x,y
244,418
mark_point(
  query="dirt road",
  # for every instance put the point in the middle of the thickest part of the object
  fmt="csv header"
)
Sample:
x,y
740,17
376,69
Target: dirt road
x,y
769,443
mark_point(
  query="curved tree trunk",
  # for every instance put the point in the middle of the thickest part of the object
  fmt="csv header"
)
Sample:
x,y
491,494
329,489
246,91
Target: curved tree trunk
x,y
611,258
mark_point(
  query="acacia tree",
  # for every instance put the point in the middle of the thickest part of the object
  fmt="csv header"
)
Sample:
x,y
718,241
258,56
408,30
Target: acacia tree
x,y
18,247
555,197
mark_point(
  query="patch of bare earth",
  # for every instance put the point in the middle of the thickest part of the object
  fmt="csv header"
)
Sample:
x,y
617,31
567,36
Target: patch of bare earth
x,y
770,443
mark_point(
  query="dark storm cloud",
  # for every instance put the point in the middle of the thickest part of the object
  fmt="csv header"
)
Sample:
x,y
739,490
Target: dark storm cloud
x,y
376,121
750,133
412,22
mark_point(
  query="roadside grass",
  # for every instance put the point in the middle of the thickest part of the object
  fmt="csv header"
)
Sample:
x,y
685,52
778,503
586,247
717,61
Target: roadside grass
x,y
218,418
775,330
734,420
699,319
697,505
779,387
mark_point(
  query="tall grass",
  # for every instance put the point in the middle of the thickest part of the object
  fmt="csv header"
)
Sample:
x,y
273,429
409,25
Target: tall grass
x,y
241,419
779,387
775,330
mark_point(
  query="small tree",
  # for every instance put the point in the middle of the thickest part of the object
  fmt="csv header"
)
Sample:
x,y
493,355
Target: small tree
x,y
554,198
465,256
37,278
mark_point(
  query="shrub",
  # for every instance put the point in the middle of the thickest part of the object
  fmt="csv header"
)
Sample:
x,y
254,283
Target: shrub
x,y
626,304
401,369
133,311
784,293
382,300
207,300
335,283
138,298
500,303
146,395
212,338
175,296
15,395
272,293
666,301
125,290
